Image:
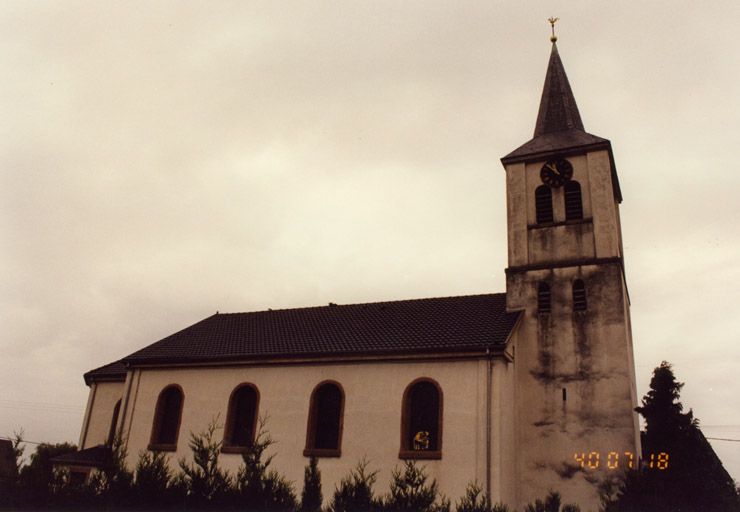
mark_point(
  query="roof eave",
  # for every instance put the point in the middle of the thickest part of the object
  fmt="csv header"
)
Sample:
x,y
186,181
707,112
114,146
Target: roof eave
x,y
323,357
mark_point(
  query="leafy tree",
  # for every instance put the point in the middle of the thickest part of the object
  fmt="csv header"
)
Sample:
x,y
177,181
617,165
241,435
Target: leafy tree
x,y
311,498
679,471
410,491
355,491
205,482
38,480
260,488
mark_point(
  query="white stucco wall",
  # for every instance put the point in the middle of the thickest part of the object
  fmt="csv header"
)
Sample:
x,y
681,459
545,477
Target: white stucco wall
x,y
101,401
372,416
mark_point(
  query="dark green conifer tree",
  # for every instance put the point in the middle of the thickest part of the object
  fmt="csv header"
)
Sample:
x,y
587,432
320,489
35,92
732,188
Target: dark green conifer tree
x,y
679,470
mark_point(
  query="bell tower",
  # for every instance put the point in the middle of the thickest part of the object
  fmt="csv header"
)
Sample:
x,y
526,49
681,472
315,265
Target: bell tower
x,y
575,377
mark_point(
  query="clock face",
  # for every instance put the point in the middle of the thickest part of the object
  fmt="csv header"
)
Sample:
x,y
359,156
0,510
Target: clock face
x,y
556,172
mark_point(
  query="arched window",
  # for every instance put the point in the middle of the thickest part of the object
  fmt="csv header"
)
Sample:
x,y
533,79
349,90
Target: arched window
x,y
543,298
421,421
113,423
167,416
325,421
543,204
579,295
573,203
241,419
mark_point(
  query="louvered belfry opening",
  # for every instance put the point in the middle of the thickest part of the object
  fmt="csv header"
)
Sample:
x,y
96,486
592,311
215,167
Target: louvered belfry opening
x,y
573,202
543,298
579,295
543,204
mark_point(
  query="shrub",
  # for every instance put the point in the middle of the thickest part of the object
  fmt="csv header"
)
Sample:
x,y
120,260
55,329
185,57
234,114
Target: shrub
x,y
258,487
551,504
410,491
153,481
476,501
111,484
355,491
205,482
311,498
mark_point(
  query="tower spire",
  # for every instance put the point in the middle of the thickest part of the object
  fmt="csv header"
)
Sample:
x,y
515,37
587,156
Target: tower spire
x,y
559,126
558,109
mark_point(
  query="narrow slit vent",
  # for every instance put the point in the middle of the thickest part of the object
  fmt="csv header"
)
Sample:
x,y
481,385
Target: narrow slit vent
x,y
543,298
579,295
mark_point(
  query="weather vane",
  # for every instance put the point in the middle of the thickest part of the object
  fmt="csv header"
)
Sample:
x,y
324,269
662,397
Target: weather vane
x,y
552,23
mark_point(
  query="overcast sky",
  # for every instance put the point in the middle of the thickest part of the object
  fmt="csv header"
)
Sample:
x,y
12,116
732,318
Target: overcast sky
x,y
164,160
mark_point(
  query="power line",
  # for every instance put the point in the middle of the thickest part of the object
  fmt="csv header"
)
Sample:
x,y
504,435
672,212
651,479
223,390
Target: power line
x,y
723,439
23,441
40,406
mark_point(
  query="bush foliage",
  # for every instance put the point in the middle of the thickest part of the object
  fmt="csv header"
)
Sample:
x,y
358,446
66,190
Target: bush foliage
x,y
355,491
311,498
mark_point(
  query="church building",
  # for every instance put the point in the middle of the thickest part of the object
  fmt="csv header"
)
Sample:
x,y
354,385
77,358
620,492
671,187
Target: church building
x,y
524,392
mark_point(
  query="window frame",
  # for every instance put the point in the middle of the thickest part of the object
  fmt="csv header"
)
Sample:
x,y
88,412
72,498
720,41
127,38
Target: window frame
x,y
231,415
114,423
310,449
405,451
154,439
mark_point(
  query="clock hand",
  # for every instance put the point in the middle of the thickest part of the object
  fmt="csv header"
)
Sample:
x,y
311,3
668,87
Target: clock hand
x,y
553,169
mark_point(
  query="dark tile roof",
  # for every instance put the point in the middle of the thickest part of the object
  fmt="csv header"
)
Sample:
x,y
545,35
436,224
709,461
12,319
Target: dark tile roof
x,y
449,324
89,457
555,142
115,371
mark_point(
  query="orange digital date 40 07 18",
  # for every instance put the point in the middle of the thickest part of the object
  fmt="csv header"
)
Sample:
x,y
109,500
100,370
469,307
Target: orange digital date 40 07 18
x,y
592,460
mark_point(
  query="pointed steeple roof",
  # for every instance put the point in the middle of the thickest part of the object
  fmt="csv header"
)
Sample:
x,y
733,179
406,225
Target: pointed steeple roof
x,y
558,109
559,126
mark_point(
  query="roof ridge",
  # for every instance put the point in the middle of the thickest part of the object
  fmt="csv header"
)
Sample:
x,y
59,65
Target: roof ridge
x,y
335,305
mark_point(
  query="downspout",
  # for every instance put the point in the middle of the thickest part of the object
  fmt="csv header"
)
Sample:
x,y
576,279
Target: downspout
x,y
489,370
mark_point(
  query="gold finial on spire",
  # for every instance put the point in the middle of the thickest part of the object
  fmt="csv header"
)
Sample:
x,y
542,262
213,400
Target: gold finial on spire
x,y
552,21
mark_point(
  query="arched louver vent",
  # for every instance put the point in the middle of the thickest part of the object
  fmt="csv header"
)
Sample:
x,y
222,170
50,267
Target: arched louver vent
x,y
543,298
573,202
543,204
579,295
